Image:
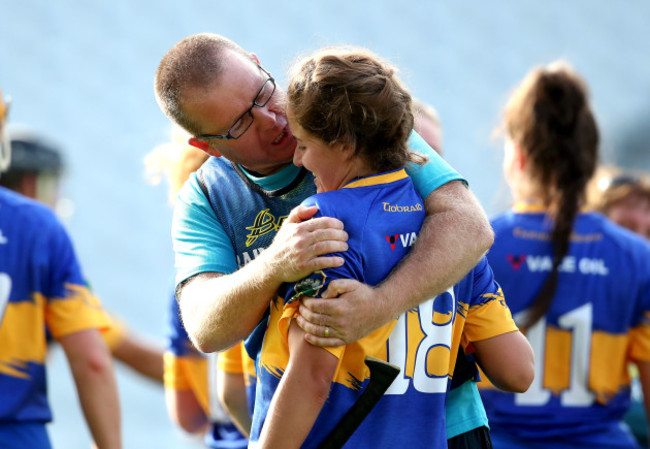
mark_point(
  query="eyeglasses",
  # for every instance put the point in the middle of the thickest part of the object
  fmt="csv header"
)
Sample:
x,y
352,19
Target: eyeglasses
x,y
245,120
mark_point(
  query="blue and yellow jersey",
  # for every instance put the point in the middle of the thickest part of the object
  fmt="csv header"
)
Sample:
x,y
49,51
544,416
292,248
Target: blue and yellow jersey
x,y
382,215
598,322
237,361
188,369
41,286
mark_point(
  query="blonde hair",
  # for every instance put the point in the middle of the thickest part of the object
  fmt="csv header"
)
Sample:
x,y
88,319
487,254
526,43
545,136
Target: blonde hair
x,y
175,161
613,184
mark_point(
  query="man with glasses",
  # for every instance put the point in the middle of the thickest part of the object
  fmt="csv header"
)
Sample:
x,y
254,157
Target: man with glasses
x,y
241,204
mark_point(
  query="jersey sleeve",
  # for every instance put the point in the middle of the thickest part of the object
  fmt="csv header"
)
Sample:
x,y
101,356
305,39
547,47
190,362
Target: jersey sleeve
x,y
185,368
115,333
230,360
435,173
640,333
488,314
174,377
71,306
178,341
200,242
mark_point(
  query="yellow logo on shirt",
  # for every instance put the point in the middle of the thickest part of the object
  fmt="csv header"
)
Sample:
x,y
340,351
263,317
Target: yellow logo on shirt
x,y
264,223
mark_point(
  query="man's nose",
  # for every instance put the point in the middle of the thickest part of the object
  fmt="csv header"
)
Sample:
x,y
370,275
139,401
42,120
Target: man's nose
x,y
266,117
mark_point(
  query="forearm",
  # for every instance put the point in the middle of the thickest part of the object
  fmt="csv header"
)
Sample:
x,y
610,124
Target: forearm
x,y
232,394
91,367
455,235
220,310
302,392
644,377
143,357
507,360
185,411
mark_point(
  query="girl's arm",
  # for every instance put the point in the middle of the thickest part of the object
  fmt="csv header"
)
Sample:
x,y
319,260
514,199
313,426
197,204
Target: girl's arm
x,y
303,390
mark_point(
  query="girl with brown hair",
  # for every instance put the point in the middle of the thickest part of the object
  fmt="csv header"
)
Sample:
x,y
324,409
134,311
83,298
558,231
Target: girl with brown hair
x,y
577,284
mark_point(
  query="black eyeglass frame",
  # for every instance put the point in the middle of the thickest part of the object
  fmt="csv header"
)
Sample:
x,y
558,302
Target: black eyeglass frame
x,y
248,111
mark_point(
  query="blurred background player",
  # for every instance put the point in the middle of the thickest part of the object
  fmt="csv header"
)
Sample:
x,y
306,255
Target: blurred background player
x,y
42,286
193,387
577,283
35,170
624,196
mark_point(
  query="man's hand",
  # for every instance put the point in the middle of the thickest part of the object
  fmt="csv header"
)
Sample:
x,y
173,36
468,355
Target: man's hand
x,y
298,248
338,322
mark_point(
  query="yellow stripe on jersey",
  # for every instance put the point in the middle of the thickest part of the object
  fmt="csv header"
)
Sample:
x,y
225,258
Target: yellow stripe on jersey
x,y
349,371
379,179
608,370
188,373
557,364
640,341
174,376
20,342
488,319
482,321
237,361
115,333
607,365
80,310
230,360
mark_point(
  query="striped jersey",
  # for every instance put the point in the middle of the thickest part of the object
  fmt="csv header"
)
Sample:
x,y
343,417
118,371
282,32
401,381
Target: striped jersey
x,y
188,369
41,285
598,322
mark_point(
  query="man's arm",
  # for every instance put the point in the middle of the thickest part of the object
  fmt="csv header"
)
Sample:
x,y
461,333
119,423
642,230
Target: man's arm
x,y
91,366
219,310
455,235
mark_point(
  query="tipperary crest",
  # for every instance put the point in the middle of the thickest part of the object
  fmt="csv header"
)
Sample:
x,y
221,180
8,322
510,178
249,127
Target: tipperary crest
x,y
309,286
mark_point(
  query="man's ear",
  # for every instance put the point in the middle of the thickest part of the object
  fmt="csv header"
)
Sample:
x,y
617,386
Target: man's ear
x,y
255,58
203,146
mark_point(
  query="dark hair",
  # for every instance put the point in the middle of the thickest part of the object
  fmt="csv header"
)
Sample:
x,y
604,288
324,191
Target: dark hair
x,y
194,62
348,96
549,118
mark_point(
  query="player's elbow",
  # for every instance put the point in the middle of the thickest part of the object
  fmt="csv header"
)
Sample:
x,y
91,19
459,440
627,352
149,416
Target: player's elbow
x,y
518,379
191,424
319,389
484,236
519,383
96,363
